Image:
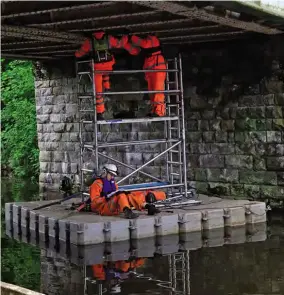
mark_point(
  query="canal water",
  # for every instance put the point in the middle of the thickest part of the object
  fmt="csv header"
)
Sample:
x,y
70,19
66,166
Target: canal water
x,y
254,265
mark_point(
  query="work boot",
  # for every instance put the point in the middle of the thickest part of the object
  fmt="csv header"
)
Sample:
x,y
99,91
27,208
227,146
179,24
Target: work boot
x,y
100,116
129,214
152,210
150,198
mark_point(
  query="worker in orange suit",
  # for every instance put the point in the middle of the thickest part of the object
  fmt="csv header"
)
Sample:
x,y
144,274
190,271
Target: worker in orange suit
x,y
116,272
154,60
104,61
120,202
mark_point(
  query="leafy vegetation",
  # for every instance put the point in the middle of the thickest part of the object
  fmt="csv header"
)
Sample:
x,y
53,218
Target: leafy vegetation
x,y
20,263
19,133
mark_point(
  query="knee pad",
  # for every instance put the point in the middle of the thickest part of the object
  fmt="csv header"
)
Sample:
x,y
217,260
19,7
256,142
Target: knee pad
x,y
150,198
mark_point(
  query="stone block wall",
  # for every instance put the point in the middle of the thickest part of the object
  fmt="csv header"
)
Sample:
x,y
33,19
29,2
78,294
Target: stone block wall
x,y
238,150
234,106
58,130
234,99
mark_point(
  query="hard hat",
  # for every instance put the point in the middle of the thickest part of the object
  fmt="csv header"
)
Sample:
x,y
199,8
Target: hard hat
x,y
98,34
115,289
110,168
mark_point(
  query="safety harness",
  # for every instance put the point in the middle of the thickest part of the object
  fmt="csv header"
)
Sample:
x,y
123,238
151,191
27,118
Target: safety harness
x,y
101,48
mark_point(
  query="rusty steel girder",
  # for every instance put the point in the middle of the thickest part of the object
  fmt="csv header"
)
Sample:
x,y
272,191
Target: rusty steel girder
x,y
34,37
40,34
93,19
204,35
60,9
68,46
199,13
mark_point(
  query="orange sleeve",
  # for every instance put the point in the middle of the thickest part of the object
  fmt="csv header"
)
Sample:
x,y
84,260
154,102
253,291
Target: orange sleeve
x,y
96,189
144,43
84,49
133,50
116,42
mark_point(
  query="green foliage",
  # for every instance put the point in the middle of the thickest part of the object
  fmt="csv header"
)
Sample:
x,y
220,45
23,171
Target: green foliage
x,y
17,80
19,132
20,263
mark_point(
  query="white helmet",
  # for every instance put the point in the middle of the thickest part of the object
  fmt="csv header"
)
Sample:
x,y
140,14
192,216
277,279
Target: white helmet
x,y
110,168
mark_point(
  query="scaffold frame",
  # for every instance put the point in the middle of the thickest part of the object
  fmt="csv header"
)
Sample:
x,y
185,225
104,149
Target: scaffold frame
x,y
173,141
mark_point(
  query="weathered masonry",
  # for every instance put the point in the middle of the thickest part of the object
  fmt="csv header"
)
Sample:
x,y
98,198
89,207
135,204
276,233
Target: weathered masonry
x,y
233,81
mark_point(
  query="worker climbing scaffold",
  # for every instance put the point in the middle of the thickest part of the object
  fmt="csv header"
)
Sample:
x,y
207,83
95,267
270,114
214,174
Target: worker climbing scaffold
x,y
101,44
166,95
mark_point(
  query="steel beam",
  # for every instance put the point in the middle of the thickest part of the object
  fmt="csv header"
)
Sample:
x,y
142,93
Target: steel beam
x,y
21,43
39,47
199,41
204,35
34,37
23,56
39,32
143,24
178,9
55,51
187,29
93,19
60,9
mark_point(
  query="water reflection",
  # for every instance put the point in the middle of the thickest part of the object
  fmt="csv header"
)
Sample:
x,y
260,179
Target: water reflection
x,y
250,268
245,268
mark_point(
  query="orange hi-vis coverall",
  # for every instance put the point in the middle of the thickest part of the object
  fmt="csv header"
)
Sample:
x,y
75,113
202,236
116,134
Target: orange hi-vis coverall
x,y
99,270
117,203
104,60
154,61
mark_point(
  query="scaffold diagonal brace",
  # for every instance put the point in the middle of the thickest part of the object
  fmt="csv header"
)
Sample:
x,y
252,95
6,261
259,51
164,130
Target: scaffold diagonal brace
x,y
150,161
130,167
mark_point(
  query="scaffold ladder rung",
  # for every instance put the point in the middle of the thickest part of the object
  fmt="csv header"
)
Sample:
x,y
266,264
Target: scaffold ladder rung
x,y
137,120
84,73
175,163
86,170
86,111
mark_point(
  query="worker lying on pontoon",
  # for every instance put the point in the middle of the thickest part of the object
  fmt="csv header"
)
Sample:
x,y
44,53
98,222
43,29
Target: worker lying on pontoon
x,y
106,199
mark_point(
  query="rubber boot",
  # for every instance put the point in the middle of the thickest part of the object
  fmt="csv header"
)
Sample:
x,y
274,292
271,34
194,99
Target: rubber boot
x,y
129,214
150,198
152,210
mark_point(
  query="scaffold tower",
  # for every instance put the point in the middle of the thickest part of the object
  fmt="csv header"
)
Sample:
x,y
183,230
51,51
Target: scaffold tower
x,y
173,146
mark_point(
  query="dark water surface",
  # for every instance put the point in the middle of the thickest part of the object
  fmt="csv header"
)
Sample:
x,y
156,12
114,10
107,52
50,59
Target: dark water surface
x,y
250,268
